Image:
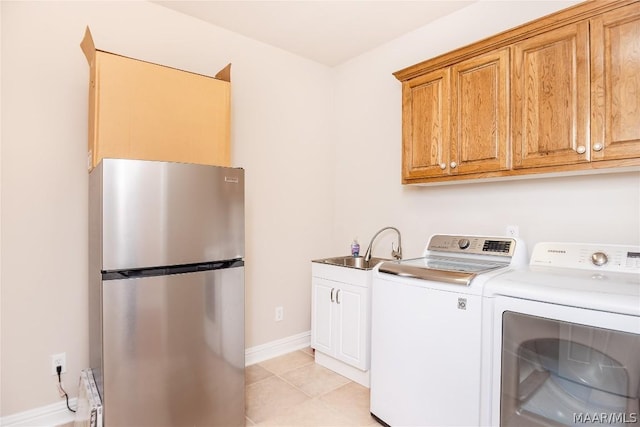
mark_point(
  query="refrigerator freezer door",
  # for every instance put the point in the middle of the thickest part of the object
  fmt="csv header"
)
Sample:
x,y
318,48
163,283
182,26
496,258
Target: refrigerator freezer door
x,y
174,350
163,213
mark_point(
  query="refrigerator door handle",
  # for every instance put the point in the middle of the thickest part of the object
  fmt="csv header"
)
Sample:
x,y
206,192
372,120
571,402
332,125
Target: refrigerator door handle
x,y
169,270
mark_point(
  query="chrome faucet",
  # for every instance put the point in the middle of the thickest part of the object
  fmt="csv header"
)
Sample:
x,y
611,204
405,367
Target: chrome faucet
x,y
395,253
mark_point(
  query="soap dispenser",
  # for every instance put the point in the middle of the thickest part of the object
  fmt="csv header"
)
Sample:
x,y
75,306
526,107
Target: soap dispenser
x,y
355,248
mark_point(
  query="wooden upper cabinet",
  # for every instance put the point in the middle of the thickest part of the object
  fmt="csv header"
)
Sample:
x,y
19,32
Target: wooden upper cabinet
x,y
550,110
455,119
615,84
558,94
425,125
479,114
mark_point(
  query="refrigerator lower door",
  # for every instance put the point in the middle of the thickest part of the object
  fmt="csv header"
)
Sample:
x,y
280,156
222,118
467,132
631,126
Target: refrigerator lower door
x,y
173,350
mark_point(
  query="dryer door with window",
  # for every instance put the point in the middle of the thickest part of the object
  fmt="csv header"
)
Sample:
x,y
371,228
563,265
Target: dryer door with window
x,y
556,372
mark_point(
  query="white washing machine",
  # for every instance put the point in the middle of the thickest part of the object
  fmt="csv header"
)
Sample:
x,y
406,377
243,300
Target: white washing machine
x,y
428,360
566,337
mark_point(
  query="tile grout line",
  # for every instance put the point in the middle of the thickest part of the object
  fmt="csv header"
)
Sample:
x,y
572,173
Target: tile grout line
x,y
319,398
305,393
278,376
250,420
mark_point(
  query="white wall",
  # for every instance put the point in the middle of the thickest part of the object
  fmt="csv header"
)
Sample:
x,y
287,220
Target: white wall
x,y
598,208
280,135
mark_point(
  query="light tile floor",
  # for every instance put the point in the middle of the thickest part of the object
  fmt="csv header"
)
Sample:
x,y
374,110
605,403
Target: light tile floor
x,y
292,390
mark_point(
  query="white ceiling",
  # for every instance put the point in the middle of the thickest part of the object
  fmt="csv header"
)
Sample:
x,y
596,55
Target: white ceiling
x,y
329,32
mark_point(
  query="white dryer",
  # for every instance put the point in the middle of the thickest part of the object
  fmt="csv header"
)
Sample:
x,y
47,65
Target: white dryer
x,y
566,337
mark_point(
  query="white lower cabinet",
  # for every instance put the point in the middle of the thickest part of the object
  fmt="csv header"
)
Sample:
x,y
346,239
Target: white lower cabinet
x,y
340,320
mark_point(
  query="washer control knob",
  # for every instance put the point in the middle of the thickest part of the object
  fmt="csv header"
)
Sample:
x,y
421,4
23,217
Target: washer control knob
x,y
463,243
599,258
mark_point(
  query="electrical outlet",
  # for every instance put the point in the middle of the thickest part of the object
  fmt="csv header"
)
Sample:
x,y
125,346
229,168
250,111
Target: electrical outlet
x,y
59,359
513,231
279,313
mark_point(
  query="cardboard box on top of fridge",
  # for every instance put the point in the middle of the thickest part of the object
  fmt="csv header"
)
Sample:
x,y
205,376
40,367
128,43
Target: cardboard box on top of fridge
x,y
145,111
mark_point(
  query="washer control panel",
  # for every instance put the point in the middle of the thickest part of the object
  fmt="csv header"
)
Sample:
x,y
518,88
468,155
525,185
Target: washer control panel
x,y
473,245
588,256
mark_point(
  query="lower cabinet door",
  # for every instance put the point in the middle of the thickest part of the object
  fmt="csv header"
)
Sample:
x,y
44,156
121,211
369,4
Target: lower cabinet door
x,y
340,321
322,315
352,325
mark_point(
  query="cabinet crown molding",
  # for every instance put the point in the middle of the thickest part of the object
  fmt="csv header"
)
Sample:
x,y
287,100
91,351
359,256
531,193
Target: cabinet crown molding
x,y
547,23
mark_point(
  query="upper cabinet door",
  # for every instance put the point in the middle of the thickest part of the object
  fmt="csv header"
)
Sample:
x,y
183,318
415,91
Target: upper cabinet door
x,y
425,125
550,110
615,77
479,114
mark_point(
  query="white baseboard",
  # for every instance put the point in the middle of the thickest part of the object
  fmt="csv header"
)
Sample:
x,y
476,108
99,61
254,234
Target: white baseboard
x,y
276,348
57,414
53,415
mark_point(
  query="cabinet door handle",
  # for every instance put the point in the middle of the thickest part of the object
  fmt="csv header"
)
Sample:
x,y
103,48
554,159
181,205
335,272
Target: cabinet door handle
x,y
443,166
597,147
332,289
581,149
338,296
453,165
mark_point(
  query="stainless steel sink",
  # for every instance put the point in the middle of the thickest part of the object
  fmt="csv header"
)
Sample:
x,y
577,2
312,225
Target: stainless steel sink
x,y
352,262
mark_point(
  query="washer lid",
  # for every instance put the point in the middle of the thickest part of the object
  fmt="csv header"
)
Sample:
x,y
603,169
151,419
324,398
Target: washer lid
x,y
457,271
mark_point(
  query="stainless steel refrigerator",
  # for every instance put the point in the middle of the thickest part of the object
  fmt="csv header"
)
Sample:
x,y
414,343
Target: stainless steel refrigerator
x,y
166,293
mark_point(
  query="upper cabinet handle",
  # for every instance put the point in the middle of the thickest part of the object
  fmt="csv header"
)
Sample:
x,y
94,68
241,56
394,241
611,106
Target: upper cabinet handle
x,y
332,289
597,147
581,149
443,166
338,296
453,165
